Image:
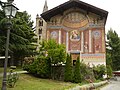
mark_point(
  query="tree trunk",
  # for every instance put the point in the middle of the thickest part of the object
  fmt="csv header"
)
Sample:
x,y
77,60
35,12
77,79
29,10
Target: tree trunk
x,y
12,60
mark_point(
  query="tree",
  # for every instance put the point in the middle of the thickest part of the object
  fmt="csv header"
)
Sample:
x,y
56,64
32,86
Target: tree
x,y
109,64
68,74
40,67
114,48
2,36
77,74
109,71
21,37
56,52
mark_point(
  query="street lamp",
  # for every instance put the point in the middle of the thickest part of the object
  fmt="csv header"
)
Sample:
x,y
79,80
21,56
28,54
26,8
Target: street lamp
x,y
10,11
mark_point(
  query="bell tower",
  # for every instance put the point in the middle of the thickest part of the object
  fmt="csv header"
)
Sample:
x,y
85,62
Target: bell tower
x,y
45,8
41,26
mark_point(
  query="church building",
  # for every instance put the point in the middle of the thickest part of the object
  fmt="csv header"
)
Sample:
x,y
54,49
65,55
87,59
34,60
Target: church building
x,y
79,26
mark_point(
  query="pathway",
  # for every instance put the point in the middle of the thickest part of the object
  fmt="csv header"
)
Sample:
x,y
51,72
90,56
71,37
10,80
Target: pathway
x,y
113,85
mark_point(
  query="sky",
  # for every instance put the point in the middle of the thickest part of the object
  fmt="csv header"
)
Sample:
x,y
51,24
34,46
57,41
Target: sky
x,y
34,7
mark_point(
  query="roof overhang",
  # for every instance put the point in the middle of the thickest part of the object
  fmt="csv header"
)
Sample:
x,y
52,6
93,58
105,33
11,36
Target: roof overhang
x,y
70,4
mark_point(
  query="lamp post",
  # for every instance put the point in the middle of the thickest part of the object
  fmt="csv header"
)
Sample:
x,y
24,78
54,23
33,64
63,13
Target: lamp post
x,y
10,12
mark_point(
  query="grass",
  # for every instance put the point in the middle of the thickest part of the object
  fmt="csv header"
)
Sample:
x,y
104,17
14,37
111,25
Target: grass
x,y
28,82
1,70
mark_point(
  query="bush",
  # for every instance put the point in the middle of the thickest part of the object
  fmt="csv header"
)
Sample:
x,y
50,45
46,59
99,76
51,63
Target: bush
x,y
86,72
68,69
77,74
12,78
27,62
41,66
109,71
99,71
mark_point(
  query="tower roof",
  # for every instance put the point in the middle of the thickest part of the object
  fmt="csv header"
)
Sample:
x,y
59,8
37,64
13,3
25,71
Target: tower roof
x,y
45,8
70,4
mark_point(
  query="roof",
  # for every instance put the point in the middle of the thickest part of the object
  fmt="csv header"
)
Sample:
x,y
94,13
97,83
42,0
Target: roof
x,y
70,4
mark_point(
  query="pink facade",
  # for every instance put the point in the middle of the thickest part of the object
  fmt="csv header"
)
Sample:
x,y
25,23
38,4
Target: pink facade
x,y
81,31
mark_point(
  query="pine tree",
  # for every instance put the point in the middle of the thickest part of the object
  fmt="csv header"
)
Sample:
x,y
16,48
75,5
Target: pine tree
x,y
77,74
22,41
113,49
68,69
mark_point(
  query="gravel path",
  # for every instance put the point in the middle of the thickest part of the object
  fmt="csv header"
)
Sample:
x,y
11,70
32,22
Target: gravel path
x,y
113,85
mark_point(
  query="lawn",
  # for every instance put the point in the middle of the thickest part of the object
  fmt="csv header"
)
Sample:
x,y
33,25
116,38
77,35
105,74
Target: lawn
x,y
28,82
1,70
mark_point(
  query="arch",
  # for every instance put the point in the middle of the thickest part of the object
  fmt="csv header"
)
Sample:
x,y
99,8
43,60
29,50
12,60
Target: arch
x,y
40,31
40,23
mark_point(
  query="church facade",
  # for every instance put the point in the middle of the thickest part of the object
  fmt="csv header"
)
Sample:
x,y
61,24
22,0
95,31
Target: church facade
x,y
77,25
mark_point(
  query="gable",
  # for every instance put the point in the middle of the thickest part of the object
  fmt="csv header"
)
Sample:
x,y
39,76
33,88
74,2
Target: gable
x,y
73,4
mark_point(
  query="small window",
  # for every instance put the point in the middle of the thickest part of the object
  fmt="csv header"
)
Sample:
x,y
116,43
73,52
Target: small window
x,y
40,23
39,37
40,31
74,62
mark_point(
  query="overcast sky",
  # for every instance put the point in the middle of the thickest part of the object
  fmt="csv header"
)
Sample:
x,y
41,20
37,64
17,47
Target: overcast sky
x,y
34,7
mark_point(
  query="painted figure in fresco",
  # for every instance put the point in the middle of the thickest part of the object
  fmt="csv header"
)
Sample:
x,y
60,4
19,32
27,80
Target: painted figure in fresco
x,y
97,48
75,35
86,47
96,34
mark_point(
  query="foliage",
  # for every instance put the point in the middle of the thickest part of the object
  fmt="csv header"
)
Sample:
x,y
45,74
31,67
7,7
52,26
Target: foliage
x,y
56,52
27,62
21,36
77,74
2,36
57,72
109,65
68,74
113,48
41,67
108,58
12,78
86,72
99,71
50,53
109,71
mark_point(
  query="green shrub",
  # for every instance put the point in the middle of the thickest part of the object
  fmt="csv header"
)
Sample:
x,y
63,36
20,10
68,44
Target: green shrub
x,y
77,74
41,67
109,71
12,78
86,72
68,69
27,62
99,71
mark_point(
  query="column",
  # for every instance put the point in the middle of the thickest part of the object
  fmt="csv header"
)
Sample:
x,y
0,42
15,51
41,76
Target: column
x,y
90,37
48,35
59,36
103,41
82,41
67,41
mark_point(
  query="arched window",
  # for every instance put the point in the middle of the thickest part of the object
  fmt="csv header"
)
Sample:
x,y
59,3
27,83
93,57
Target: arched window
x,y
40,31
39,37
40,23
